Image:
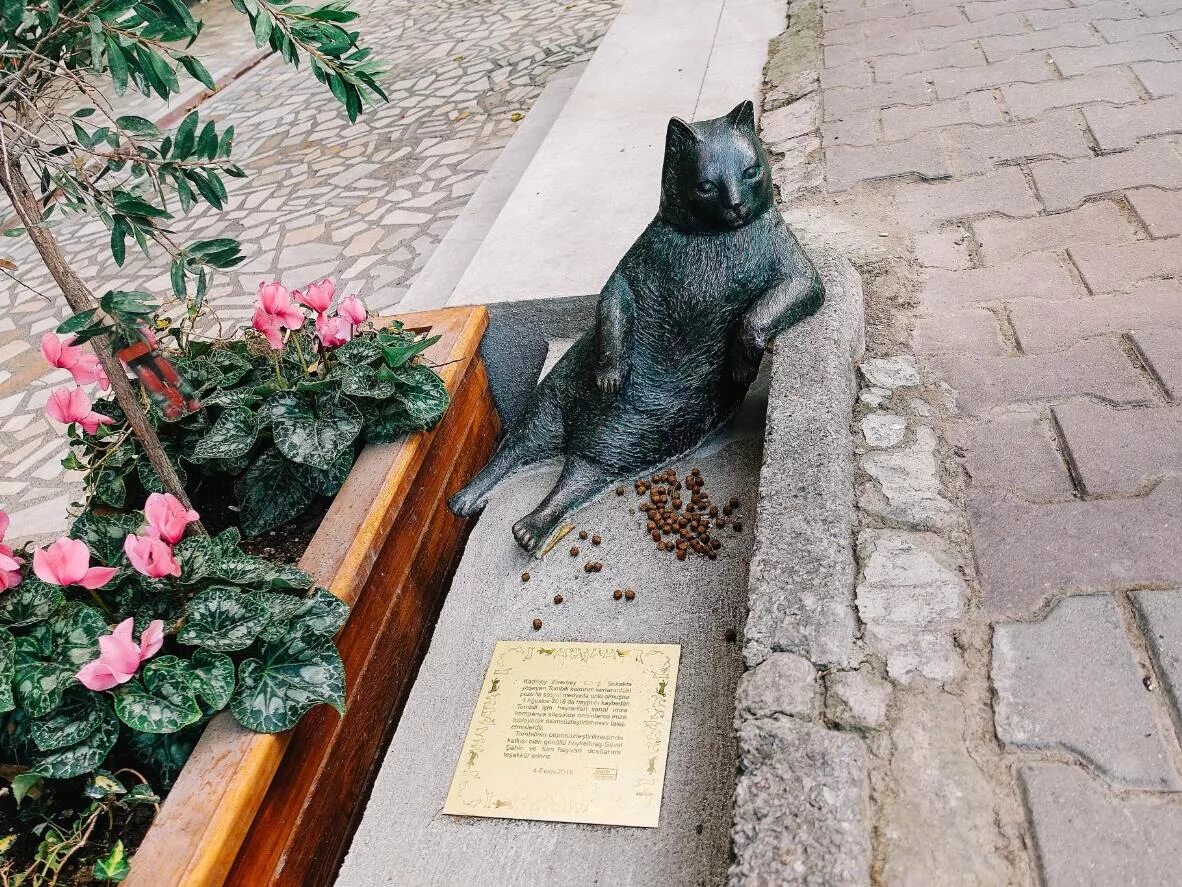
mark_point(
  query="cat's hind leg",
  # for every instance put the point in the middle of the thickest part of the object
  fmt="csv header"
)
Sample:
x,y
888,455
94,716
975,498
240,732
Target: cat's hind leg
x,y
580,481
538,436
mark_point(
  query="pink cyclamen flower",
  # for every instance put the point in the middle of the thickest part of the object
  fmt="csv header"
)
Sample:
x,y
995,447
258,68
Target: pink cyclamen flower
x,y
83,365
317,296
10,564
353,309
67,562
120,657
333,331
275,313
68,405
167,517
151,556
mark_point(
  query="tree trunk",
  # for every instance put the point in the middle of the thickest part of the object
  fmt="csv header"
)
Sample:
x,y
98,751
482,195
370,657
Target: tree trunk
x,y
80,298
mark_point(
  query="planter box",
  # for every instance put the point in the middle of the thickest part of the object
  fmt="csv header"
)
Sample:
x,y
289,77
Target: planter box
x,y
252,809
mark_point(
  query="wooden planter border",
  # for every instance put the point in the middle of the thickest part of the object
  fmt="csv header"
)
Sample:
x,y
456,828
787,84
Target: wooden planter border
x,y
387,547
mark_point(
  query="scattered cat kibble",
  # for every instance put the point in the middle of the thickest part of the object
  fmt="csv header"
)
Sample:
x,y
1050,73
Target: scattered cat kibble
x,y
558,599
525,577
617,594
537,625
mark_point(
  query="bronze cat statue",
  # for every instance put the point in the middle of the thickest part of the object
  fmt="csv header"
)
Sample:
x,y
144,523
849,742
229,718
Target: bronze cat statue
x,y
682,324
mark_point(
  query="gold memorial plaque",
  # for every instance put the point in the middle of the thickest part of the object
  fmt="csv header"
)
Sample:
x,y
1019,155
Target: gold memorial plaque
x,y
569,733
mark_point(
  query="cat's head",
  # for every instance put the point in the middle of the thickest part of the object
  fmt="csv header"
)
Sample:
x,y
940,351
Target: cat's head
x,y
716,175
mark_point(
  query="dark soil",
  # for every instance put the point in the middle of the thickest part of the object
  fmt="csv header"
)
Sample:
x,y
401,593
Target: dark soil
x,y
213,498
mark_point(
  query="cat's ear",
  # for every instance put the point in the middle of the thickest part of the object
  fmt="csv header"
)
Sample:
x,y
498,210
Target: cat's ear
x,y
743,116
679,136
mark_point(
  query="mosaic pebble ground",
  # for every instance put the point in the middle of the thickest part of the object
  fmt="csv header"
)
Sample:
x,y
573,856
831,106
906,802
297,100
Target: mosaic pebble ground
x,y
365,203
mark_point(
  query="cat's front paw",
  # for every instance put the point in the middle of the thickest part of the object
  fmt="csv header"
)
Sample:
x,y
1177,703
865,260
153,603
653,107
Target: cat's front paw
x,y
609,379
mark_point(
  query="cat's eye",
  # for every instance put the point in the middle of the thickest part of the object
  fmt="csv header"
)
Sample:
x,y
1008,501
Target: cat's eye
x,y
752,172
706,188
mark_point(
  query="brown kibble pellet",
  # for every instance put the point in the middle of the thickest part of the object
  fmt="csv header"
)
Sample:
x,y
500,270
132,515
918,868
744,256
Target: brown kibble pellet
x,y
731,635
656,534
537,625
713,511
681,554
617,594
726,509
583,534
713,555
734,502
587,567
696,472
629,595
620,491
738,526
660,545
558,599
574,551
596,540
525,577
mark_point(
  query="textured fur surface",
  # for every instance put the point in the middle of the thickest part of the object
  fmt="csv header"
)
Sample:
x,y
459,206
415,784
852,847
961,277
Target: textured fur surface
x,y
681,326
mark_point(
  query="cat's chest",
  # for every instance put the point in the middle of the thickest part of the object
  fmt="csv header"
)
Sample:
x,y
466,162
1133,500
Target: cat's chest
x,y
704,280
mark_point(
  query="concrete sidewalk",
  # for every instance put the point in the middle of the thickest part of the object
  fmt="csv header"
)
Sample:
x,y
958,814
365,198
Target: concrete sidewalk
x,y
1016,162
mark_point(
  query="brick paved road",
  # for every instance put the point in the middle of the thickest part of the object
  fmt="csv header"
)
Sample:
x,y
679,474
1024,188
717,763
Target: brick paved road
x,y
1030,148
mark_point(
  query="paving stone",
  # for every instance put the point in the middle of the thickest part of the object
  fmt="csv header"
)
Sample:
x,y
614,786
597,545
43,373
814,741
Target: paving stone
x,y
1070,682
1156,47
1096,367
922,155
975,149
1044,326
919,24
783,684
1038,275
1162,350
1121,267
869,48
1069,34
903,122
939,826
1160,78
1121,451
883,430
1012,452
1116,31
969,331
957,55
1124,126
1027,68
910,601
857,699
946,248
1028,100
891,372
940,37
1161,211
907,487
1064,184
912,90
803,797
1026,552
924,205
1085,835
855,75
1103,9
984,9
780,126
857,128
1102,222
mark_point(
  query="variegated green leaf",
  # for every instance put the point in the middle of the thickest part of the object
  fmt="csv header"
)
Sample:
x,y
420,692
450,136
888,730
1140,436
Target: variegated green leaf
x,y
104,534
232,435
162,699
7,669
164,753
222,619
38,682
79,715
270,493
358,352
214,676
327,481
76,629
31,601
422,394
85,755
275,690
313,429
233,367
280,608
365,381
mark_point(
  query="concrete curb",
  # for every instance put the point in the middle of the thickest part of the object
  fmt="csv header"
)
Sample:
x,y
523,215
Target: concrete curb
x,y
802,799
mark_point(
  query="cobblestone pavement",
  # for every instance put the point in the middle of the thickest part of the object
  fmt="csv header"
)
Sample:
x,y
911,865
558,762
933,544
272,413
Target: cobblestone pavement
x,y
1025,154
366,203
